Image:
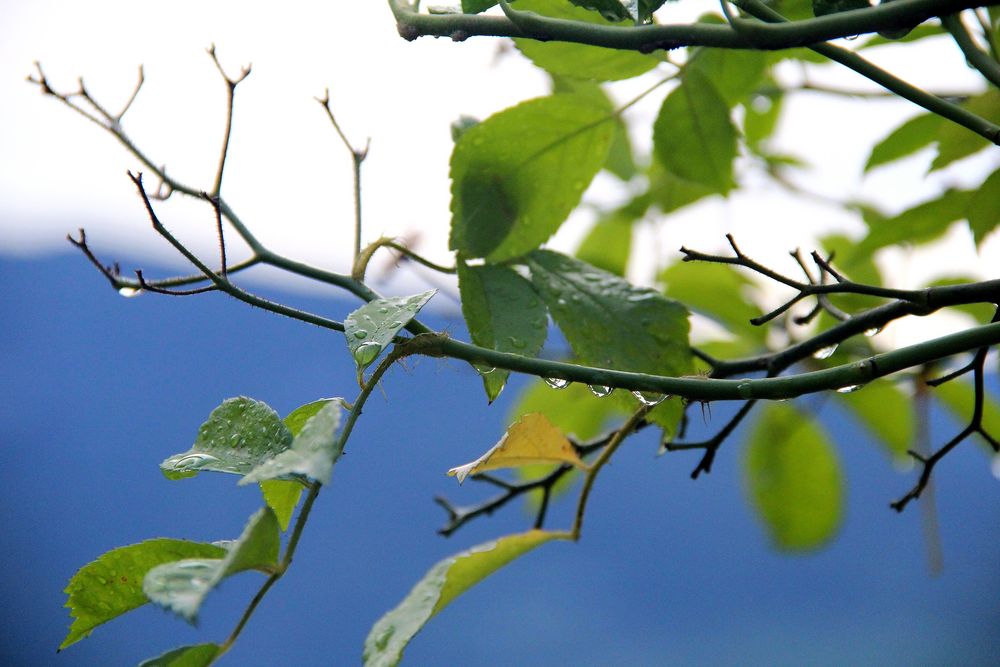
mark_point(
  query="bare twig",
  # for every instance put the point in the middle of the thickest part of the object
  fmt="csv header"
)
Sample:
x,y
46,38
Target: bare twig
x,y
231,84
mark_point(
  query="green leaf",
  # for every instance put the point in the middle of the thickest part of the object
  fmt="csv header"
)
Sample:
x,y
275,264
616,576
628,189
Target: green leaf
x,y
984,208
886,412
794,479
476,6
608,244
955,141
282,497
517,175
503,313
611,10
670,192
693,136
733,73
574,409
199,655
610,323
916,133
761,118
980,312
920,224
899,37
237,436
824,7
372,327
312,455
443,583
716,291
578,60
958,396
112,585
181,586
297,418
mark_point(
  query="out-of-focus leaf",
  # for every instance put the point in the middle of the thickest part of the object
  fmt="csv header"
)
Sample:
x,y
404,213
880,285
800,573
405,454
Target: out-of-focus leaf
x,y
238,435
312,455
670,192
611,10
794,479
530,441
824,7
955,141
887,413
859,267
476,6
443,583
517,175
371,328
958,396
919,32
199,655
503,312
980,312
693,136
112,585
916,133
620,161
608,244
610,323
920,224
182,585
761,118
574,409
579,60
984,208
717,291
734,73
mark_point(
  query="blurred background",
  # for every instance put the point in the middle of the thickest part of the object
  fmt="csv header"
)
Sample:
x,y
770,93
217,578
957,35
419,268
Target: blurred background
x,y
95,390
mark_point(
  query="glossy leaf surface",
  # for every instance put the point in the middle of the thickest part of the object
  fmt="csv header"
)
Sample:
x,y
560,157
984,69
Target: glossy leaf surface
x,y
112,585
443,583
199,655
237,435
503,312
371,328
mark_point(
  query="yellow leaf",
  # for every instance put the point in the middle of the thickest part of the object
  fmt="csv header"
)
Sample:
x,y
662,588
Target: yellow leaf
x,y
533,439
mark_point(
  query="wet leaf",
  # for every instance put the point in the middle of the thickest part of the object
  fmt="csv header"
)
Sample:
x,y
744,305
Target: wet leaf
x,y
237,436
443,583
794,479
371,328
693,136
312,455
112,585
181,585
517,175
199,655
531,440
579,60
503,312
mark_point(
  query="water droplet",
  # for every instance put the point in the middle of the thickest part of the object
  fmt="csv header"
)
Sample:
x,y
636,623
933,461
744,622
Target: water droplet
x,y
874,331
383,310
599,390
483,370
365,353
557,383
825,352
129,292
744,389
193,461
649,399
538,323
395,324
849,389
361,334
851,38
517,343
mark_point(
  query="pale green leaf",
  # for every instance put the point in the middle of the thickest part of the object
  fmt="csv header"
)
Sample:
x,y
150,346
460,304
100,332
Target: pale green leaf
x,y
693,136
717,291
886,412
444,582
734,73
958,396
237,436
503,312
670,192
298,417
476,6
612,324
984,208
920,224
579,60
199,655
608,244
916,133
611,10
794,479
517,175
761,118
372,327
620,161
956,141
900,37
181,586
312,455
112,585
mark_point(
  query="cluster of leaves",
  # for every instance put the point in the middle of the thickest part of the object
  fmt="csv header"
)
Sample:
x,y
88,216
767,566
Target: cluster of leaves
x,y
515,179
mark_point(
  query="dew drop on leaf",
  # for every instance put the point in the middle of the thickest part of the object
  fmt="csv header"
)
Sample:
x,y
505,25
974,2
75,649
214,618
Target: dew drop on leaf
x,y
557,383
361,334
366,353
649,399
849,389
599,390
129,292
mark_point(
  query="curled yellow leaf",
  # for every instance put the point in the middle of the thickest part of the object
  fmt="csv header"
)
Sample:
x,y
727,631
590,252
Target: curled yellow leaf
x,y
530,440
